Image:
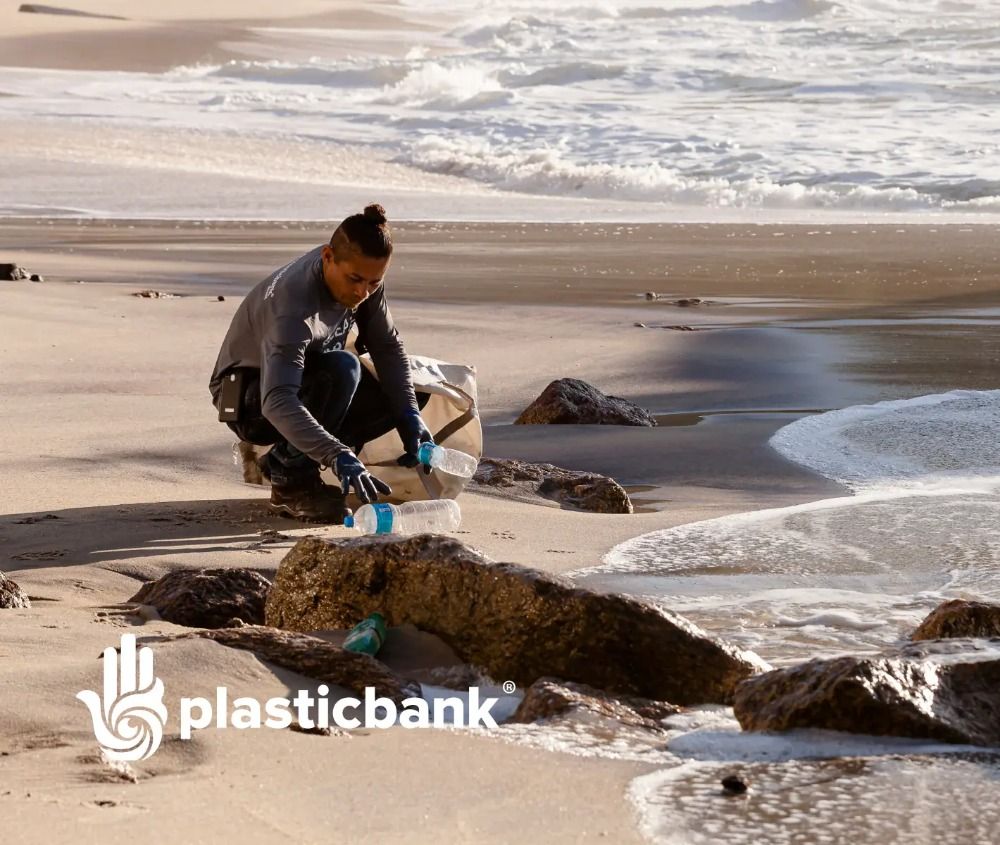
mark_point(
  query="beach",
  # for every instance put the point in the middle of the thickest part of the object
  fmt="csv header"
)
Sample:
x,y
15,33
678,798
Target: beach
x,y
110,428
759,299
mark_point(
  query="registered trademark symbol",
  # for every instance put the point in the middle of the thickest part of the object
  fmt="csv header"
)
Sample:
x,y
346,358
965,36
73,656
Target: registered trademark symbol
x,y
509,687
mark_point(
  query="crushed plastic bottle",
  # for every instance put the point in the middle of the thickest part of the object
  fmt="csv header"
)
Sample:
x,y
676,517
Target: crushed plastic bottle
x,y
367,636
431,517
450,461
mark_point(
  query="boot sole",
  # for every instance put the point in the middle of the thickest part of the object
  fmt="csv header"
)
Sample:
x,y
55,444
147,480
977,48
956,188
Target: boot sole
x,y
285,510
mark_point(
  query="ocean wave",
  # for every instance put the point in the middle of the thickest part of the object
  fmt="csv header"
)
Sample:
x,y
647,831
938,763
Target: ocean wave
x,y
550,171
308,73
438,86
562,74
795,582
759,10
905,440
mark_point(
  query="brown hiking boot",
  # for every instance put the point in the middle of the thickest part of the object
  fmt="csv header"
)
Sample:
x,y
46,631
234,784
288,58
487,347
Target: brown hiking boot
x,y
313,501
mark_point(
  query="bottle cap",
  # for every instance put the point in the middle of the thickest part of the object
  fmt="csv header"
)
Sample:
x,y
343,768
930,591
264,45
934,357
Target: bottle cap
x,y
349,521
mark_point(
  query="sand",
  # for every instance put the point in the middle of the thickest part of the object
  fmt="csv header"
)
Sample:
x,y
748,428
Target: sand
x,y
108,426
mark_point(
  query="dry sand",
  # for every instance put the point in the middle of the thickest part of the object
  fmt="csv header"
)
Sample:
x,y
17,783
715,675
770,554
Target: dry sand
x,y
108,426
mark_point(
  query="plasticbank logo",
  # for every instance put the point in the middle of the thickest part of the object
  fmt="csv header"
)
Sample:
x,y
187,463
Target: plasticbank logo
x,y
130,715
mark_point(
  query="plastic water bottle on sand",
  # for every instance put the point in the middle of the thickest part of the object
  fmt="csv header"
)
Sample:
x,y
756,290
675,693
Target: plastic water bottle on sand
x,y
408,518
450,461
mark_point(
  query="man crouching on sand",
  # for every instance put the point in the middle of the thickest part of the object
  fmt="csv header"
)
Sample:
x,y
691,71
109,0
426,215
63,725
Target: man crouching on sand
x,y
283,376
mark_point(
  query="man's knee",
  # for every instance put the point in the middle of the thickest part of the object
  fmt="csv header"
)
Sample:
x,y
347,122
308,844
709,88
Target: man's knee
x,y
337,366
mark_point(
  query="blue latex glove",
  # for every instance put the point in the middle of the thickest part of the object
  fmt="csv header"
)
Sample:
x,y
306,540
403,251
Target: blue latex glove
x,y
352,473
412,432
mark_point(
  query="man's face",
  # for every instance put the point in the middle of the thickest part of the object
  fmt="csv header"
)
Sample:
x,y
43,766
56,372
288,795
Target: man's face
x,y
354,277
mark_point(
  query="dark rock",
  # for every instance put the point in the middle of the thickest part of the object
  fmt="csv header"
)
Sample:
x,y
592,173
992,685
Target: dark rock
x,y
547,698
314,658
679,328
734,785
207,598
650,296
516,623
639,325
587,491
960,618
36,278
950,696
11,595
13,273
220,298
687,303
571,401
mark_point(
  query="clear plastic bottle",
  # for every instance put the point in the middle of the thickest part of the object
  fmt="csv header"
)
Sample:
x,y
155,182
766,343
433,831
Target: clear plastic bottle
x,y
450,461
408,518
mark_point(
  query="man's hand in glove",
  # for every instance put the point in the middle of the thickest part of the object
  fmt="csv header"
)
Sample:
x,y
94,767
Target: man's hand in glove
x,y
352,473
413,432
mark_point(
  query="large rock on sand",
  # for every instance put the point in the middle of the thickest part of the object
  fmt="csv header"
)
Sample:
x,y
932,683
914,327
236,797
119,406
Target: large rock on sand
x,y
516,623
207,598
11,595
960,618
569,401
314,658
941,691
587,491
548,698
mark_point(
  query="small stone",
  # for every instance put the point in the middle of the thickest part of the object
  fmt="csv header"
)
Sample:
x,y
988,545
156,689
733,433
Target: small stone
x,y
639,325
315,729
154,294
687,303
734,785
220,298
650,296
13,273
36,278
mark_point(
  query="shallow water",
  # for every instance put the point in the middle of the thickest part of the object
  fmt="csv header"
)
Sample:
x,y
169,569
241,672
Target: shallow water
x,y
851,573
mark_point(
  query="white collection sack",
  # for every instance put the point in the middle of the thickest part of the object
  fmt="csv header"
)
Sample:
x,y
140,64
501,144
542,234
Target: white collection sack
x,y
452,415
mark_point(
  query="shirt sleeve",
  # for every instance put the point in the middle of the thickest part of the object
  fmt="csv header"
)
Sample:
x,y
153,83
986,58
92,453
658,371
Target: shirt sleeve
x,y
378,333
282,363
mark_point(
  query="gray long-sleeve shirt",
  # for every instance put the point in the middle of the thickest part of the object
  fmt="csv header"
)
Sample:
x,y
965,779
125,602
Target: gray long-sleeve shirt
x,y
291,313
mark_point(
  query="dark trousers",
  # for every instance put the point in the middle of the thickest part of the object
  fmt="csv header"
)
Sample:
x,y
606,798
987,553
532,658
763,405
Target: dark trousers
x,y
343,397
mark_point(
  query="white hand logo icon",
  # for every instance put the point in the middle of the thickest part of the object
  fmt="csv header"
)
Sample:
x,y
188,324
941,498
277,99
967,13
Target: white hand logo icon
x,y
129,720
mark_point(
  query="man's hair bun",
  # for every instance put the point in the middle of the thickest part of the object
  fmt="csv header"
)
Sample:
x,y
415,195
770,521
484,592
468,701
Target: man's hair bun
x,y
376,214
367,233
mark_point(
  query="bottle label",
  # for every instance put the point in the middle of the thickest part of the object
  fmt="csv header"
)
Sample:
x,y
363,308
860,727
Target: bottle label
x,y
383,518
424,453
